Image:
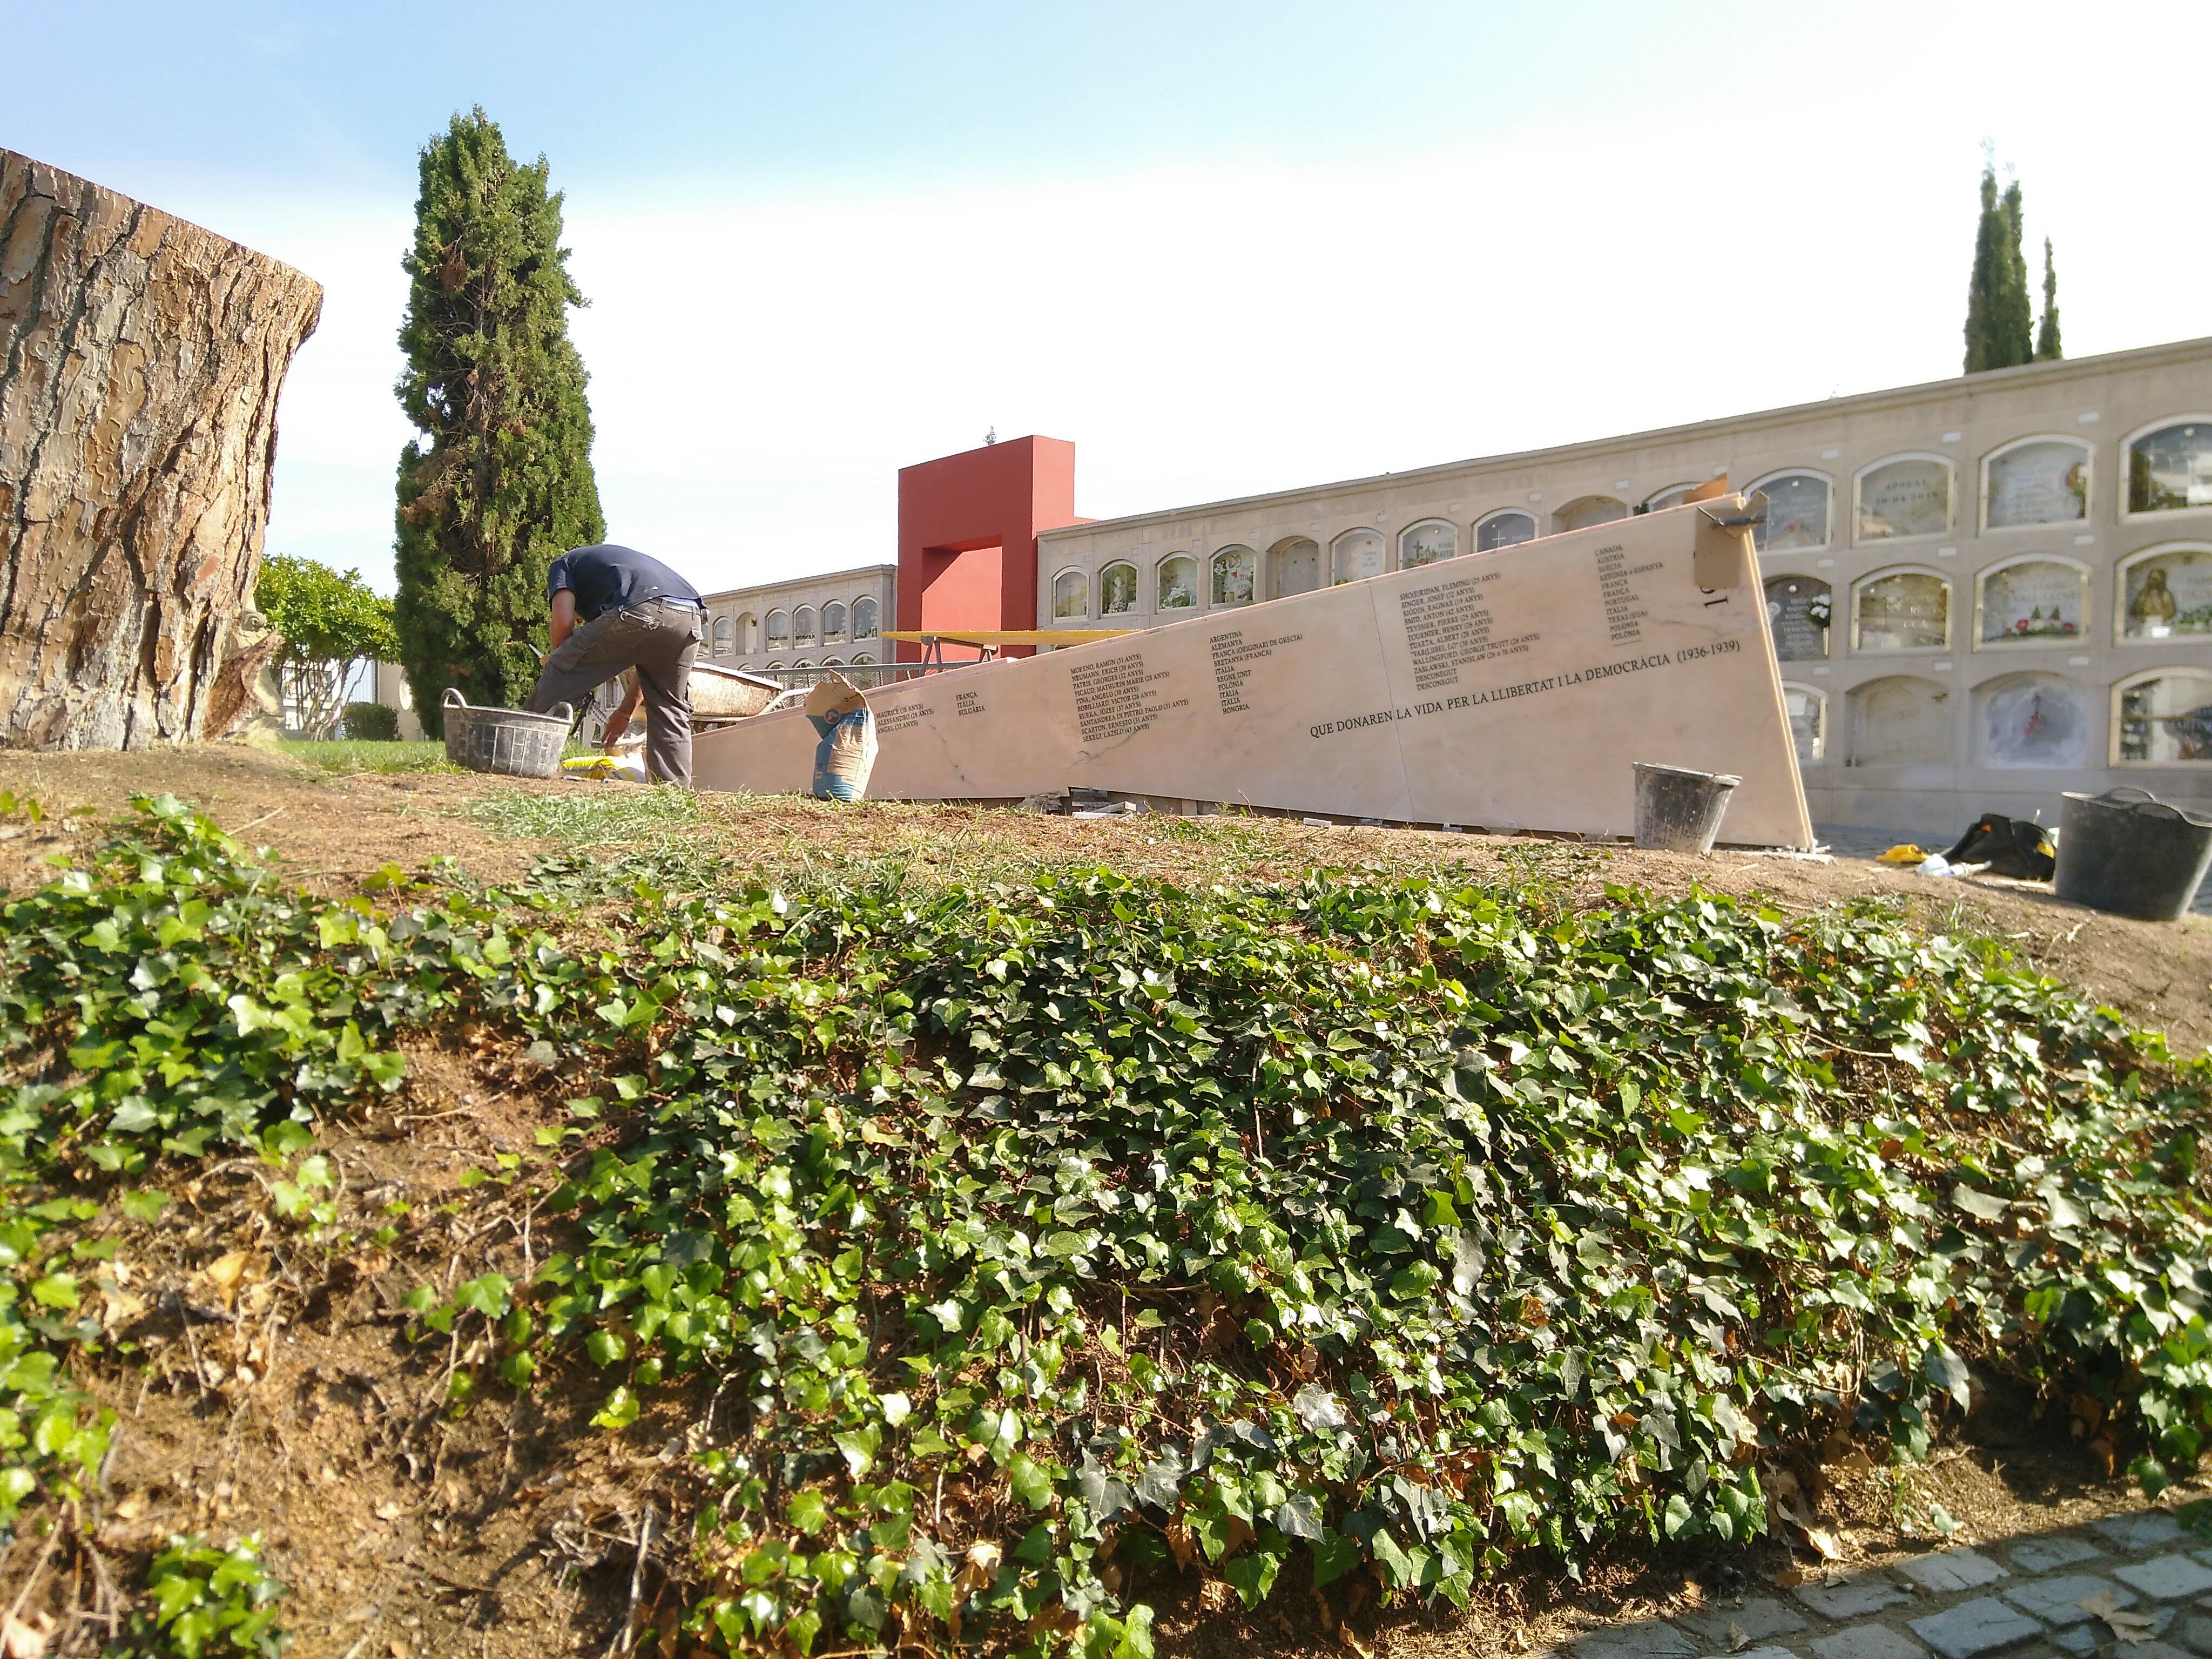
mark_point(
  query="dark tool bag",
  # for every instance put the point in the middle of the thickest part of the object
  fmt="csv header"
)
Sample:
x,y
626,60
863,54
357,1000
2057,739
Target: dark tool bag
x,y
2011,846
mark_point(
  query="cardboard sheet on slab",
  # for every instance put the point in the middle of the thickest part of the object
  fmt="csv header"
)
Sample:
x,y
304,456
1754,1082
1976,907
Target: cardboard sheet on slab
x,y
1510,690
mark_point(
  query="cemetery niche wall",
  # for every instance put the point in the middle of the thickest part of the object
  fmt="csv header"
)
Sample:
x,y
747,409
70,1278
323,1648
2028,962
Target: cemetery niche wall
x,y
1510,691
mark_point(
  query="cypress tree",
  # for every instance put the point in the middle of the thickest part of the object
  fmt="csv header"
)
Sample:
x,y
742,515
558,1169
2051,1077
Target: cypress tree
x,y
2000,320
2047,349
2016,310
501,483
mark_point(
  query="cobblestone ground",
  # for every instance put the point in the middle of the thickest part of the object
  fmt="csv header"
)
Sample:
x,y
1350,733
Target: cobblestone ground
x,y
2134,1586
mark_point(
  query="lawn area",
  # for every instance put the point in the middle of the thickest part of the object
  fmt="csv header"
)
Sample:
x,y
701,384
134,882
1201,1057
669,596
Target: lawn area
x,y
361,755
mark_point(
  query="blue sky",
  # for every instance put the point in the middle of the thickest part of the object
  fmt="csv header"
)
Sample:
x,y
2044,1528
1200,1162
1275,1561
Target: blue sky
x,y
1224,247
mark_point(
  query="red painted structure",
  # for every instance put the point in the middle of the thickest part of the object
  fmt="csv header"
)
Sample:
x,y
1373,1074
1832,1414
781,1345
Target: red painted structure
x,y
968,528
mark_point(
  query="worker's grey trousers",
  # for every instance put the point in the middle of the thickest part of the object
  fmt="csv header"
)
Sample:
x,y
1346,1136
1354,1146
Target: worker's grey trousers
x,y
659,639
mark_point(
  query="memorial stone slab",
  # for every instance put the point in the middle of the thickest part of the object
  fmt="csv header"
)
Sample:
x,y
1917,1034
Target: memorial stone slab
x,y
1759,1618
2168,1578
1647,1638
2080,1640
1951,1570
2144,1529
1852,1597
2058,1600
1510,691
1984,1624
2042,1554
1868,1642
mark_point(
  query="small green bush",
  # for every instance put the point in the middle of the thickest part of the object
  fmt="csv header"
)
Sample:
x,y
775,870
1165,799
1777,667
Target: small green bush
x,y
207,1601
375,722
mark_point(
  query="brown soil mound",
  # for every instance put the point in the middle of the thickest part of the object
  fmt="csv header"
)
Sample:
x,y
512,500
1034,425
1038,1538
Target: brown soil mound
x,y
276,1389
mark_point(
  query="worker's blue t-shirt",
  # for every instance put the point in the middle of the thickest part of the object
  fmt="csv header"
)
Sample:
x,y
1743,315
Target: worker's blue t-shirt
x,y
606,577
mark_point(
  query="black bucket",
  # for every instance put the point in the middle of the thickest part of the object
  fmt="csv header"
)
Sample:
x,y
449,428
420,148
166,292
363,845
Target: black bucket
x,y
1678,810
2127,852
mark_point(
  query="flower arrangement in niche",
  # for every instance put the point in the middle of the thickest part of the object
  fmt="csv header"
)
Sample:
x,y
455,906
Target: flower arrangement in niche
x,y
1819,609
2036,625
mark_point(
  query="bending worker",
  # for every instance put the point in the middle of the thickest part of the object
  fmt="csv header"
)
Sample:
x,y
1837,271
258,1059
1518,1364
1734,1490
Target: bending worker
x,y
634,614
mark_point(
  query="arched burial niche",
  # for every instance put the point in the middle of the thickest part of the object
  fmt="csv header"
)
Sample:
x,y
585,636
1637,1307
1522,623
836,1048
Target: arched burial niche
x,y
802,625
1798,612
1235,576
1795,506
1429,541
1808,709
1177,576
1589,511
2163,717
1071,595
1901,611
726,636
1356,554
1660,499
864,619
2165,593
1293,566
833,621
1902,721
2035,481
2038,601
2031,719
748,634
778,629
1905,496
2170,467
1117,589
1507,529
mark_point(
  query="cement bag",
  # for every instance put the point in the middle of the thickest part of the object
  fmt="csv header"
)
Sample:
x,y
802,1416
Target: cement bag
x,y
847,753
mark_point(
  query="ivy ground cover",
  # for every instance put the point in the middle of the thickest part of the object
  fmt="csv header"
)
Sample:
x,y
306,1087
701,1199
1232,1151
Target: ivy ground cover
x,y
995,1254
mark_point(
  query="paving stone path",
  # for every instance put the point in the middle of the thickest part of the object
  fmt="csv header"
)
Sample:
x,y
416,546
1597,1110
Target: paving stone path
x,y
2022,1598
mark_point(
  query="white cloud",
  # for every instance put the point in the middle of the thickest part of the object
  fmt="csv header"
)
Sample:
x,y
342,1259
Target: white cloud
x,y
763,364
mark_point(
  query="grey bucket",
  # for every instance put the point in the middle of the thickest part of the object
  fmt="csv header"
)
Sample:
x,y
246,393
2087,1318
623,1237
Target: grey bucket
x,y
2127,852
509,740
1678,810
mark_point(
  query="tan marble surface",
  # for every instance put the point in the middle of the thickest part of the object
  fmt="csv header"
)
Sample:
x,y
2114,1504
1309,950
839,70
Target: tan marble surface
x,y
1507,689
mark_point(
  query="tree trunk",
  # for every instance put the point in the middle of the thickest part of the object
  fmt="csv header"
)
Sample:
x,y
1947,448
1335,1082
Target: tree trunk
x,y
140,361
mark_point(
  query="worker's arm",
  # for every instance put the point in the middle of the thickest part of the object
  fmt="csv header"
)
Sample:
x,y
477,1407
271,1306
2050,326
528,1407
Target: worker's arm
x,y
618,722
564,617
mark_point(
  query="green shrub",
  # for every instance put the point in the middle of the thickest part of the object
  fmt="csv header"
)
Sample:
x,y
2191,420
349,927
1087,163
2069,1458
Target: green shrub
x,y
373,721
207,1601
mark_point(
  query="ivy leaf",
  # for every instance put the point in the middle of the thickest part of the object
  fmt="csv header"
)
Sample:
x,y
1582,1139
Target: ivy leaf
x,y
620,1411
1252,1575
1948,1372
1031,1481
1104,1496
1298,1517
1161,1483
1987,1205
1317,1408
808,1510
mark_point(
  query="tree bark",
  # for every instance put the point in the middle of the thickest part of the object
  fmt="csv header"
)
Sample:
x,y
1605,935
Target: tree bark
x,y
140,361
